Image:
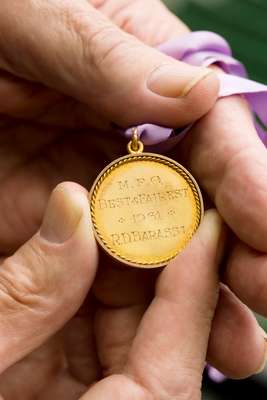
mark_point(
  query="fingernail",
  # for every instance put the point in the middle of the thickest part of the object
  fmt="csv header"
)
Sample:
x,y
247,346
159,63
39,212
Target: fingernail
x,y
62,216
174,82
263,365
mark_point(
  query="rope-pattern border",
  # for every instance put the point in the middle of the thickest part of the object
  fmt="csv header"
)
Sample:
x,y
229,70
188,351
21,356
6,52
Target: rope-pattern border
x,y
165,161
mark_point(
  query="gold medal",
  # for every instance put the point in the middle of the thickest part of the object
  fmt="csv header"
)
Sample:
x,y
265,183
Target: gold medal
x,y
145,208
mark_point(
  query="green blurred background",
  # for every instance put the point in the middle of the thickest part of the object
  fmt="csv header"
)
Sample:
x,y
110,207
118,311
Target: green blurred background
x,y
244,24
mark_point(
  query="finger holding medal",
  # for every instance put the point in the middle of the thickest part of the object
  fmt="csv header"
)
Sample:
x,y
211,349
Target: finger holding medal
x,y
73,49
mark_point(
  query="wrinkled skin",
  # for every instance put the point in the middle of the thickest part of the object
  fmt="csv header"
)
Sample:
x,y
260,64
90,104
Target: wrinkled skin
x,y
47,138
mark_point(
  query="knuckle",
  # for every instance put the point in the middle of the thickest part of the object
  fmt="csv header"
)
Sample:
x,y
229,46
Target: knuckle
x,y
105,47
100,41
25,284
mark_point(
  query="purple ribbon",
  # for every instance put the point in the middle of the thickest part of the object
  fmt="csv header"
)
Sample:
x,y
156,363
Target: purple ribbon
x,y
204,49
215,375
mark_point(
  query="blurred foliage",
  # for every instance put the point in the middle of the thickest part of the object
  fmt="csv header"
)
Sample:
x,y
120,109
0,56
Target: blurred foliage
x,y
241,22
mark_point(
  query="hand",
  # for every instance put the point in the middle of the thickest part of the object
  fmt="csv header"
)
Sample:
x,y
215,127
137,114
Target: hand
x,y
226,155
38,154
132,344
108,77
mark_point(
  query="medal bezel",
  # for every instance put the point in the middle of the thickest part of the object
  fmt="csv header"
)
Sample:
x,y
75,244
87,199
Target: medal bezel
x,y
148,157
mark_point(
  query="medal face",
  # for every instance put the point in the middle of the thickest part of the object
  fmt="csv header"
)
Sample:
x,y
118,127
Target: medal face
x,y
145,208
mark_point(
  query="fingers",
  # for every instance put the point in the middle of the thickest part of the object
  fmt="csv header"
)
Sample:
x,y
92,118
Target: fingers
x,y
246,275
230,162
149,21
169,351
73,48
237,345
45,282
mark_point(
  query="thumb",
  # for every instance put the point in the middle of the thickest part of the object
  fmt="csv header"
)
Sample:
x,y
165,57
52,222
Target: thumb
x,y
73,48
47,280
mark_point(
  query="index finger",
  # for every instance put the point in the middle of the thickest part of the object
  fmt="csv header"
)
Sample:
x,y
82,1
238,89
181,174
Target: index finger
x,y
169,351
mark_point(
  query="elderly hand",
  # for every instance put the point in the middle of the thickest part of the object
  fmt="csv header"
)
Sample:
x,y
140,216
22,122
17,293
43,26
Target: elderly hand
x,y
147,340
108,76
65,66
